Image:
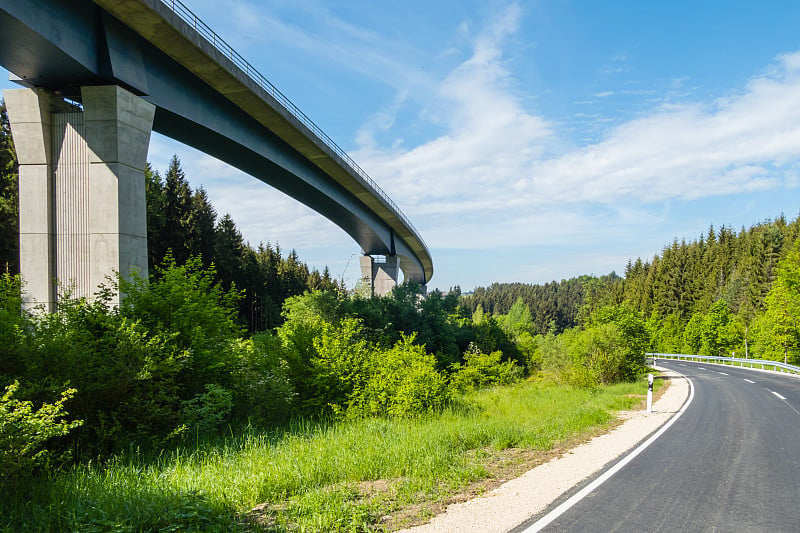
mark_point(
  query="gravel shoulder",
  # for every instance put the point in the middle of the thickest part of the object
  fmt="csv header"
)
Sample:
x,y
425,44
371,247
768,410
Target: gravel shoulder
x,y
517,500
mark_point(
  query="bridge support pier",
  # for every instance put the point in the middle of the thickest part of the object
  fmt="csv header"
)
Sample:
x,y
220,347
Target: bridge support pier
x,y
81,187
380,276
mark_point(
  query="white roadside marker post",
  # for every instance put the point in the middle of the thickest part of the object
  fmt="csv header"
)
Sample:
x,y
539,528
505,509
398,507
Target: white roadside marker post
x,y
649,393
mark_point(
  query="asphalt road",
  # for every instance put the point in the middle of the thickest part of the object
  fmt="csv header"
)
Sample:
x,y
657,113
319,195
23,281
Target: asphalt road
x,y
730,463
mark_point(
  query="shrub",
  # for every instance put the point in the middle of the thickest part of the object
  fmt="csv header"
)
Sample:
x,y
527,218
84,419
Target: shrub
x,y
634,339
303,323
25,431
489,337
206,412
138,369
13,327
402,381
339,366
598,356
483,370
263,388
188,305
126,377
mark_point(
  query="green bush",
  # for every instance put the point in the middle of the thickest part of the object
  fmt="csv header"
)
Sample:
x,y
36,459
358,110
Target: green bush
x,y
608,349
126,377
598,357
400,382
304,318
24,432
340,365
263,388
483,370
634,337
186,303
206,412
13,325
143,371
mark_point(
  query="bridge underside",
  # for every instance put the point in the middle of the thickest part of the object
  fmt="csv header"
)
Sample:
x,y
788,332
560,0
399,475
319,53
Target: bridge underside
x,y
77,44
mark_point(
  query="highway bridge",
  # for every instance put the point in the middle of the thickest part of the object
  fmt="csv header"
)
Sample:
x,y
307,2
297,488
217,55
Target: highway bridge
x,y
99,76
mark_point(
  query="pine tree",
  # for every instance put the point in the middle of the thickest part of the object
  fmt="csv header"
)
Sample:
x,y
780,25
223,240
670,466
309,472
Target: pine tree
x,y
177,211
9,198
202,222
230,249
157,245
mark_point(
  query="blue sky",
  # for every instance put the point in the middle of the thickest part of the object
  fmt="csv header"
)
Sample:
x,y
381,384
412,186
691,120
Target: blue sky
x,y
527,141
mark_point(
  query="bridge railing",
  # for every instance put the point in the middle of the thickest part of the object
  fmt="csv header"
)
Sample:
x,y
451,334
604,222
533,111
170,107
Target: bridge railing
x,y
180,9
763,364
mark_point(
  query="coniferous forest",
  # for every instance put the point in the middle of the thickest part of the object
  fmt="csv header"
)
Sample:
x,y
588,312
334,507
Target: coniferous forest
x,y
725,292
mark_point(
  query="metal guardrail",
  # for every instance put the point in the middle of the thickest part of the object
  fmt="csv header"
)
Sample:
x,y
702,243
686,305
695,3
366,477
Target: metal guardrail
x,y
764,364
180,9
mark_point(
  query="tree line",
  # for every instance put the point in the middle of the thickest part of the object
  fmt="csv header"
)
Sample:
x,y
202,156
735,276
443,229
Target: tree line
x,y
553,306
724,293
184,223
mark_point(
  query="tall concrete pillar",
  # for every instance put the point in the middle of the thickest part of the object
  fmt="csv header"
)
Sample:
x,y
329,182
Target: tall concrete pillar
x,y
380,276
82,197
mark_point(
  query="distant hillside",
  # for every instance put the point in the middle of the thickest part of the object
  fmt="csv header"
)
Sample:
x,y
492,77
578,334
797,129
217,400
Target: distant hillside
x,y
737,268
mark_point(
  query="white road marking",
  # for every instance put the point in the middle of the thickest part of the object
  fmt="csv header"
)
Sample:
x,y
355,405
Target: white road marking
x,y
723,373
701,368
784,401
747,380
550,517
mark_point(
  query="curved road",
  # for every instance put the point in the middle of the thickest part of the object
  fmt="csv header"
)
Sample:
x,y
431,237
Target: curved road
x,y
731,462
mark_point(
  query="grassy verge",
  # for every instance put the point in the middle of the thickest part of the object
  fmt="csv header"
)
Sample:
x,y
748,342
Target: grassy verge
x,y
362,475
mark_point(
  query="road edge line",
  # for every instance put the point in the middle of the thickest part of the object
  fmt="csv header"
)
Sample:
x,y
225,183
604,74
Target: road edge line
x,y
550,517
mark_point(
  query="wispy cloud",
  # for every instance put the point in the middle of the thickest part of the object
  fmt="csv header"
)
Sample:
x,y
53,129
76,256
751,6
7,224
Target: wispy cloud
x,y
311,27
498,159
460,148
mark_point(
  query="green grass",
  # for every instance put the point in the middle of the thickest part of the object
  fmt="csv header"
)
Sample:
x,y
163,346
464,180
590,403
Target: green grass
x,y
312,476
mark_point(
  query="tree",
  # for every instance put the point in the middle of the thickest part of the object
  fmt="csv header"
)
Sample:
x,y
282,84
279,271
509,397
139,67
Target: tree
x,y
229,251
518,320
177,211
783,301
693,334
719,335
201,227
9,198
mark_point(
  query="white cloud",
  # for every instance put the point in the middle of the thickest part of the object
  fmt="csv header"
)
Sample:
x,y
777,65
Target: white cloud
x,y
491,173
738,143
497,159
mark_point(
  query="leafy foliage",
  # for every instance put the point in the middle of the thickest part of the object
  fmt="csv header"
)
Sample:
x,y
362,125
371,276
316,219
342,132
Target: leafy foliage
x,y
481,370
24,432
610,348
199,316
783,303
400,382
168,360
